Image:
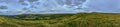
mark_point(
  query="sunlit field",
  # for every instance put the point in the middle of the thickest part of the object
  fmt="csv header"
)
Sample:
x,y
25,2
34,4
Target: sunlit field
x,y
62,20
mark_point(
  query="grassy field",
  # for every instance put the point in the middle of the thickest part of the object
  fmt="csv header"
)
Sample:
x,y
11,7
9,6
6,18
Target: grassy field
x,y
64,20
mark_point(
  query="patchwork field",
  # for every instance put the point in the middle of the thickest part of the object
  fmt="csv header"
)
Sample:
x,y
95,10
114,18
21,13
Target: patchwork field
x,y
62,20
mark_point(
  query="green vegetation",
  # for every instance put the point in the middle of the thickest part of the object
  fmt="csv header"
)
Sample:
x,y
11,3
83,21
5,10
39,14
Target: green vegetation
x,y
63,20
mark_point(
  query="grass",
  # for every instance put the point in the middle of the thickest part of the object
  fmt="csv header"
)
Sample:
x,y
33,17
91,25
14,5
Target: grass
x,y
64,20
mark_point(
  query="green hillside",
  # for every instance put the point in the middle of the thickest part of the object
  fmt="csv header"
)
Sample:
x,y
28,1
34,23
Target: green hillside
x,y
62,20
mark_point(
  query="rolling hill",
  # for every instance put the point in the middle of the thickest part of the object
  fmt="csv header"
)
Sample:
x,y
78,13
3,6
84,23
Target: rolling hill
x,y
62,20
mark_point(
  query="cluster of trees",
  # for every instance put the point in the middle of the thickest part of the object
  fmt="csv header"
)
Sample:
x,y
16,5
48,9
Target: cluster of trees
x,y
38,17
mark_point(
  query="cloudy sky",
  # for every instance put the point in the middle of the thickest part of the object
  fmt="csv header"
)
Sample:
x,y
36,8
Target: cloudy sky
x,y
15,7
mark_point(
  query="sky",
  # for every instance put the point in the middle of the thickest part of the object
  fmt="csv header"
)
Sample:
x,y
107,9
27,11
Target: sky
x,y
16,7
